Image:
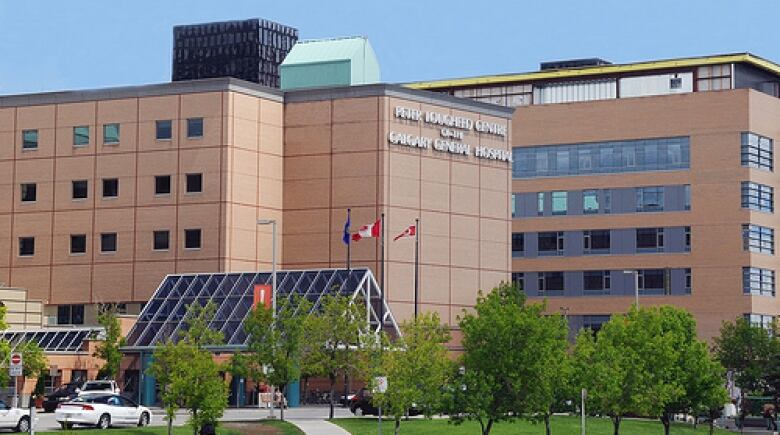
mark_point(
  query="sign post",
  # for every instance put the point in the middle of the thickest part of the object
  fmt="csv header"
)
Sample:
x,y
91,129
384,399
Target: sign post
x,y
380,386
15,368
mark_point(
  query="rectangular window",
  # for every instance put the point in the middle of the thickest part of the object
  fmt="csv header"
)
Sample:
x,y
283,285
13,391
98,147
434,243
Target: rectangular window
x,y
194,183
687,192
657,154
596,241
163,129
560,202
713,77
594,322
514,205
540,203
110,134
654,281
161,240
79,189
550,243
194,128
78,243
756,238
688,239
70,315
29,139
688,281
649,199
162,185
110,187
649,239
550,283
757,196
80,136
760,320
757,151
590,201
758,282
28,192
107,242
26,246
596,281
518,279
192,239
518,244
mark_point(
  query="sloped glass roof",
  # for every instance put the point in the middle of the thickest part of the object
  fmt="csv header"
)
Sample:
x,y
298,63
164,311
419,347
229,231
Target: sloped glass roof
x,y
54,340
233,293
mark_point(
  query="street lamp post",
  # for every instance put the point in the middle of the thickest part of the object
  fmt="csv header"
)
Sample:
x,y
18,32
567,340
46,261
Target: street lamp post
x,y
272,222
636,285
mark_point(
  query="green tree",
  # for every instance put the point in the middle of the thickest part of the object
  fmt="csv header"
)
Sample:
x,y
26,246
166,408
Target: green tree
x,y
187,373
416,367
513,362
108,349
336,348
746,350
35,362
276,345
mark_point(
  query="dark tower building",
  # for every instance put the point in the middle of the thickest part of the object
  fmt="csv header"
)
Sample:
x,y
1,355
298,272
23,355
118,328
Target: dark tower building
x,y
250,50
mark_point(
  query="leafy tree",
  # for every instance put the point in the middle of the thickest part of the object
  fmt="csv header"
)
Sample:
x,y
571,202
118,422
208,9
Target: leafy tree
x,y
746,350
276,346
108,349
416,367
187,373
511,366
336,348
35,362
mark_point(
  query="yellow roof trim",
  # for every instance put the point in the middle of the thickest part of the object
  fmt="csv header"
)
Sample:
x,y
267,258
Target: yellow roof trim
x,y
599,70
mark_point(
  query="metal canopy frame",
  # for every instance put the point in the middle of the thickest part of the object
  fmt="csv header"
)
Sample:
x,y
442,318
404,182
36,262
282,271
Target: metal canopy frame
x,y
54,340
233,293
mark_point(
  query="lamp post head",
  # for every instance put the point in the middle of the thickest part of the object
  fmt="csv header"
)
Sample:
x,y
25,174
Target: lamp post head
x,y
266,221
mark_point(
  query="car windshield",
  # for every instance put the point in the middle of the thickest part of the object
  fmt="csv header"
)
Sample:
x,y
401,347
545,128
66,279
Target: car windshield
x,y
92,386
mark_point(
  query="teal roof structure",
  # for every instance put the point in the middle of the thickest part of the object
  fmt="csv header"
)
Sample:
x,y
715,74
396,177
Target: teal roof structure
x,y
330,62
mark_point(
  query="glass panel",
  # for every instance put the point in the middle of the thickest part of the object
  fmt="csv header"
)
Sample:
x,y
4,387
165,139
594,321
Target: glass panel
x,y
80,136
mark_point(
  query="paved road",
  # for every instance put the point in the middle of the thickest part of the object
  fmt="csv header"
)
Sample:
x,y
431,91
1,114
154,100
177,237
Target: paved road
x,y
308,416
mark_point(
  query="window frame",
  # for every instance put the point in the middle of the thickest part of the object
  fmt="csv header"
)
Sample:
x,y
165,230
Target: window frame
x,y
73,240
106,238
106,128
23,242
163,125
544,279
645,202
187,183
33,142
603,276
764,280
518,240
167,240
157,179
27,190
753,153
78,136
190,124
73,196
193,231
559,197
757,196
759,239
658,236
559,237
588,239
109,180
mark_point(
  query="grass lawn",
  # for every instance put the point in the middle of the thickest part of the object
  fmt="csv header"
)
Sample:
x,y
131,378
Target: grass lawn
x,y
560,426
263,427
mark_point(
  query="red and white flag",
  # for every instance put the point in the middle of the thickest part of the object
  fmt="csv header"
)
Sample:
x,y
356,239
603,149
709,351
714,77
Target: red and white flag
x,y
411,231
369,231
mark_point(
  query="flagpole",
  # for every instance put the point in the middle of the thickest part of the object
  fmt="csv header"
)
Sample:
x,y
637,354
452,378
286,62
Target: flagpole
x,y
382,271
416,264
349,242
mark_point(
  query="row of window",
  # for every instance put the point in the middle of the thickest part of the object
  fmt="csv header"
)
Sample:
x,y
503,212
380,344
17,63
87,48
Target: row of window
x,y
757,151
600,241
80,188
756,238
758,281
594,201
601,157
757,196
600,282
163,131
108,242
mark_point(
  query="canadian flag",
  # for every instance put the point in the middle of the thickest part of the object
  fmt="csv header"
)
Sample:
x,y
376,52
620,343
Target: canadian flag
x,y
372,230
411,231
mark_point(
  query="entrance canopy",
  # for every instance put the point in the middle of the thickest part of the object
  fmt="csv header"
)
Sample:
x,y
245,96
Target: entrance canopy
x,y
233,294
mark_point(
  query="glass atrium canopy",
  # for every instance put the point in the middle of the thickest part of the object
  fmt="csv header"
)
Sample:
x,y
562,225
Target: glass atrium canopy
x,y
233,293
54,340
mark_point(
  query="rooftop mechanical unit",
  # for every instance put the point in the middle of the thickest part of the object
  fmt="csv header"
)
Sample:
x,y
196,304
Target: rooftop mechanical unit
x,y
573,63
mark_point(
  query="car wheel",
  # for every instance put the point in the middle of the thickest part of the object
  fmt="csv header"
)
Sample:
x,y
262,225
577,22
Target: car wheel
x,y
144,421
23,425
104,422
359,411
66,426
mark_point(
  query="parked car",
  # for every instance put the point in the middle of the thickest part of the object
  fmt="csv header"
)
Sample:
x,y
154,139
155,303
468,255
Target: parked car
x,y
14,418
101,411
361,404
92,387
62,394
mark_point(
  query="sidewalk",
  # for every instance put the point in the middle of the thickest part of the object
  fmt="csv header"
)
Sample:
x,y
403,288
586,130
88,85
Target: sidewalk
x,y
318,427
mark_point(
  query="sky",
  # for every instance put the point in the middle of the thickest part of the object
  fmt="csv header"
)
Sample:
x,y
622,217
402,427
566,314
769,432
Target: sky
x,y
50,45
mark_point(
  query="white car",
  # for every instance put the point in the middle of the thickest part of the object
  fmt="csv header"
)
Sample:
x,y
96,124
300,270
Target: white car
x,y
102,411
92,387
14,418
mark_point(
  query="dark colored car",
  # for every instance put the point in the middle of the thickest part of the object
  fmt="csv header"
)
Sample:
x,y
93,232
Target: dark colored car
x,y
361,404
62,394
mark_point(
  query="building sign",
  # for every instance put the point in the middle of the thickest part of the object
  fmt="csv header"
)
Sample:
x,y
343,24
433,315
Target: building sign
x,y
452,131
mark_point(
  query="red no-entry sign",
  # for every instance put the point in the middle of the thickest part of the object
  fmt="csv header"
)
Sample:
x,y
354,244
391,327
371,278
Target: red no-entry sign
x,y
16,358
